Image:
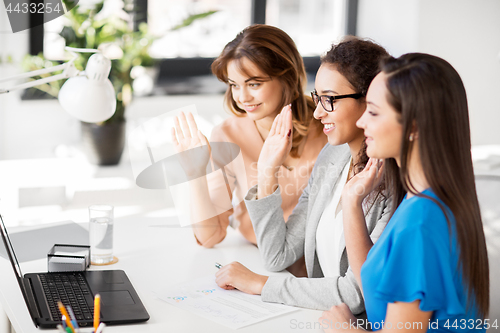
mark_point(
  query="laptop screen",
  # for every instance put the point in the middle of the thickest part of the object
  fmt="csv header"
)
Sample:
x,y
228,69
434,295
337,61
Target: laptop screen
x,y
15,265
10,252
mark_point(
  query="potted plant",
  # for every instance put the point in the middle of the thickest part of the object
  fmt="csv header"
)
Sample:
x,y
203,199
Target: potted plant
x,y
112,33
86,27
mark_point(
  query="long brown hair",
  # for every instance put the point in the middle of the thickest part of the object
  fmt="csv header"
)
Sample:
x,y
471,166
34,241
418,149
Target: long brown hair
x,y
276,55
430,97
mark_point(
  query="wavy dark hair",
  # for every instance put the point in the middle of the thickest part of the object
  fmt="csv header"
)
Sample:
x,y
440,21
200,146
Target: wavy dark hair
x,y
276,55
358,60
429,96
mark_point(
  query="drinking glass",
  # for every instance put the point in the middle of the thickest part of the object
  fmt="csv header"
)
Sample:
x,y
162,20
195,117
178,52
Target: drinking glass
x,y
101,234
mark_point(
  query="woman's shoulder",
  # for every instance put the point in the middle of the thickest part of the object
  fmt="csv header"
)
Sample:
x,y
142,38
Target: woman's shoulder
x,y
425,203
424,211
332,154
330,157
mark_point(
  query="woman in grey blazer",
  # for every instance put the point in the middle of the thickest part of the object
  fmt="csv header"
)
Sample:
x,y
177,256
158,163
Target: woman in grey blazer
x,y
341,85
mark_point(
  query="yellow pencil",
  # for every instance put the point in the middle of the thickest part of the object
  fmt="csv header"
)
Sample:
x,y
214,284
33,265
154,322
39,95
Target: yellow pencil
x,y
97,311
65,314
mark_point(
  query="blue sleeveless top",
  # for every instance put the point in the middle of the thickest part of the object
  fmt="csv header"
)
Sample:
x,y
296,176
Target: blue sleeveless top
x,y
416,258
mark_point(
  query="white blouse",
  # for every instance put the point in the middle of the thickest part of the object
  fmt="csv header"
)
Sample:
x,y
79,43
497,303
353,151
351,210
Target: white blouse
x,y
331,230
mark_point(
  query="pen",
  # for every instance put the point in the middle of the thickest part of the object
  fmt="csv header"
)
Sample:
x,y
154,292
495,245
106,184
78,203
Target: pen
x,y
217,265
97,311
73,318
100,329
65,313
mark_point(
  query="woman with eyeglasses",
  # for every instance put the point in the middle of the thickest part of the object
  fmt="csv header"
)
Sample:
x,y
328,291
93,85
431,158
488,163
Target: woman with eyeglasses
x,y
429,270
264,72
314,229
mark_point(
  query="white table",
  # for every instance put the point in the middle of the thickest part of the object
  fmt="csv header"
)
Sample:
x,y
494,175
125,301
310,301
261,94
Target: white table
x,y
155,251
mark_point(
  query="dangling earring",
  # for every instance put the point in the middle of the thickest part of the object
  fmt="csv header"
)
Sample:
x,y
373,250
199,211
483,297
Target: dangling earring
x,y
411,137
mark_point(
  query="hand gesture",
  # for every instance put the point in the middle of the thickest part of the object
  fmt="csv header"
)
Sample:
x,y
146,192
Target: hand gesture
x,y
359,186
192,147
338,318
237,276
278,143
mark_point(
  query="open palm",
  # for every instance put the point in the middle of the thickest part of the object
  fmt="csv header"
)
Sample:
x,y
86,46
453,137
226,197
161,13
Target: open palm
x,y
278,143
192,147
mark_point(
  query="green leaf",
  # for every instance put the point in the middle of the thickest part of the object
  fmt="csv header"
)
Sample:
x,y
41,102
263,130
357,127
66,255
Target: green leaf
x,y
192,18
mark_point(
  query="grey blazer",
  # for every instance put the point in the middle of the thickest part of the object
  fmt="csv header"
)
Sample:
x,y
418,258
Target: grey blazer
x,y
281,244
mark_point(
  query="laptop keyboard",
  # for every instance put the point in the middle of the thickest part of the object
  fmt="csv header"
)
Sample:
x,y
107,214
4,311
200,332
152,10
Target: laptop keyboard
x,y
70,289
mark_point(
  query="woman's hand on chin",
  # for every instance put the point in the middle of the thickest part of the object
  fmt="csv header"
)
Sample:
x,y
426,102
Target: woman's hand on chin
x,y
237,276
362,184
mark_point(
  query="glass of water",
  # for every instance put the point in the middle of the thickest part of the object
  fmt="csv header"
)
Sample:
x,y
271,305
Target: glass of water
x,y
101,234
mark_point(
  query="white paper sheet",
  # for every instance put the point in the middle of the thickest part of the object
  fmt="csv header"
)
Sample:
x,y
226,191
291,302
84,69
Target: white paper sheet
x,y
231,308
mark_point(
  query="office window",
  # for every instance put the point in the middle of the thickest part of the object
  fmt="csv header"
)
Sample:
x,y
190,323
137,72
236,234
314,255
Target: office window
x,y
188,52
53,44
312,24
203,38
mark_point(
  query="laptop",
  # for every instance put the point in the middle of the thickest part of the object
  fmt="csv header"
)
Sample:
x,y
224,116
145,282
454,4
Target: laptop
x,y
120,303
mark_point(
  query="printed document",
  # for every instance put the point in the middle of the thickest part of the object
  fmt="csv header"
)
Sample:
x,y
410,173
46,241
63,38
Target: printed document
x,y
231,308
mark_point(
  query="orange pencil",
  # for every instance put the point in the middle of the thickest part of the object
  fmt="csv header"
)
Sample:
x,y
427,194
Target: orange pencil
x,y
97,311
65,314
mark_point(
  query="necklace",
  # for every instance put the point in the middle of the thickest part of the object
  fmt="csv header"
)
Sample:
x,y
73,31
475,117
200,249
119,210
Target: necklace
x,y
289,168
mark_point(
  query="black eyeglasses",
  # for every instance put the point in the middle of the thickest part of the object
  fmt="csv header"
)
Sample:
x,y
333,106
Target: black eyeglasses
x,y
327,101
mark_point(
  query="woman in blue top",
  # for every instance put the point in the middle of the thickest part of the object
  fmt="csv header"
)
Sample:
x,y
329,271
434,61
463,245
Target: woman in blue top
x,y
429,269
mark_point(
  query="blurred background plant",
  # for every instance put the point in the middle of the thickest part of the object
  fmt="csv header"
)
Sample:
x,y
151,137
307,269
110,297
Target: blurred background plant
x,y
6,59
48,90
107,26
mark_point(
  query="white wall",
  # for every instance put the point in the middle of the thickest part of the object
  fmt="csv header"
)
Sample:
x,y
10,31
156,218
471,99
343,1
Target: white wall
x,y
466,33
16,46
391,23
36,129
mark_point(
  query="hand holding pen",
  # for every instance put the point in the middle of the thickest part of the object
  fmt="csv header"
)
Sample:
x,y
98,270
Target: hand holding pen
x,y
237,276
